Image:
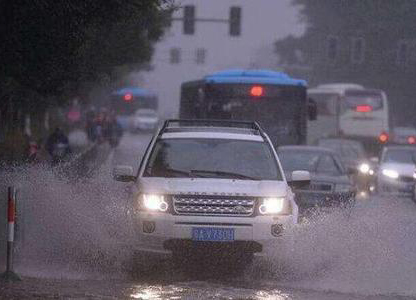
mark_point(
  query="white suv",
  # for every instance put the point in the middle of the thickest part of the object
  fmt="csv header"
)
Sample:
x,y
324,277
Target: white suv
x,y
205,184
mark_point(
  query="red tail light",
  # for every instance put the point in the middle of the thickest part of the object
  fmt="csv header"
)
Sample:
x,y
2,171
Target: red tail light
x,y
411,140
256,91
383,138
364,108
128,97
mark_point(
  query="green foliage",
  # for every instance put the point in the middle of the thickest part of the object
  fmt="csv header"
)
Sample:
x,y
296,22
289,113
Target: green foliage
x,y
48,47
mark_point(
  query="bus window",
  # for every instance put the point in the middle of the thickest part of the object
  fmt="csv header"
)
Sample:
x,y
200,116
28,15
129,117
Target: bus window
x,y
326,104
363,101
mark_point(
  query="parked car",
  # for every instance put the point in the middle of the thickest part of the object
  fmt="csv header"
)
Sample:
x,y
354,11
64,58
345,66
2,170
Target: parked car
x,y
330,184
144,120
397,172
211,187
353,156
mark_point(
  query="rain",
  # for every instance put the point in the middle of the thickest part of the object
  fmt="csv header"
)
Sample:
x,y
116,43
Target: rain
x,y
199,149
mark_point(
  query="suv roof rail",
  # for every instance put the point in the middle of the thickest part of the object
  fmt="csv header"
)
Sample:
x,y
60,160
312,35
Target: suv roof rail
x,y
212,123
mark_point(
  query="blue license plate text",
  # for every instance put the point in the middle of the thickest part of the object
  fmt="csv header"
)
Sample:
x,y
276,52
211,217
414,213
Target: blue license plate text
x,y
212,234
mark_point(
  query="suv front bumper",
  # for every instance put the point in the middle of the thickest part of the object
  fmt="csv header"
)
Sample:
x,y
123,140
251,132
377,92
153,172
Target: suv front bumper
x,y
160,233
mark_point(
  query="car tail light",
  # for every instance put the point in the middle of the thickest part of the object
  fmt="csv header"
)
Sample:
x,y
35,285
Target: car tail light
x,y
128,97
256,91
363,108
411,140
384,137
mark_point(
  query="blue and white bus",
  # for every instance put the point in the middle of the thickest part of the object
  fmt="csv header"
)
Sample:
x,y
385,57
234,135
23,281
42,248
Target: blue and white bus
x,y
126,101
274,99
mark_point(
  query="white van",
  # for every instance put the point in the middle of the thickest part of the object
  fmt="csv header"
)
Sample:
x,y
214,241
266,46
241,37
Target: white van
x,y
349,110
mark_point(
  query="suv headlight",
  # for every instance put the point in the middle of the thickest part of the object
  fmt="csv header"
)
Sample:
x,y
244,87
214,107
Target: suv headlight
x,y
343,188
272,206
390,173
153,202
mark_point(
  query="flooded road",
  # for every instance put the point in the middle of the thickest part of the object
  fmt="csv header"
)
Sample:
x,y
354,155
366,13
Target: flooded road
x,y
127,289
76,243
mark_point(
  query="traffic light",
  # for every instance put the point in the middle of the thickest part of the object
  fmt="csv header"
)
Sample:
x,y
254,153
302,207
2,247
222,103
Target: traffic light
x,y
189,19
235,20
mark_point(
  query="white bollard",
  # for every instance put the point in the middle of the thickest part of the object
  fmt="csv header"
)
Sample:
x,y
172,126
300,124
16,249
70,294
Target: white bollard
x,y
9,275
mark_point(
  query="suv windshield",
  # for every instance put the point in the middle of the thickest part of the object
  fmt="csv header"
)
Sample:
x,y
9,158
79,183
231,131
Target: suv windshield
x,y
312,161
212,158
405,156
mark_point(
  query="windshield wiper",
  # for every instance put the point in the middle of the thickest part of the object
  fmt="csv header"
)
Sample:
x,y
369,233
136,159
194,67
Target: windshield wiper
x,y
172,171
223,173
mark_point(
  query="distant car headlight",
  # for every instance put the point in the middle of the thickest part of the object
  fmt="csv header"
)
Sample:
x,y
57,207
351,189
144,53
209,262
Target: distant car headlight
x,y
343,188
364,168
390,173
154,202
272,206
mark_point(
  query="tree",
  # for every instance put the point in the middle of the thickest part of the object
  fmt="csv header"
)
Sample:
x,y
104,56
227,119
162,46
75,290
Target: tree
x,y
51,50
47,46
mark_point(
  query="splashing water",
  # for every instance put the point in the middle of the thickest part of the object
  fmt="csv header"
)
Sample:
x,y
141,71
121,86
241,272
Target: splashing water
x,y
79,230
371,251
69,229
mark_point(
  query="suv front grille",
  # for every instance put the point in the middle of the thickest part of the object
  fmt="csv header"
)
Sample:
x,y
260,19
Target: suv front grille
x,y
213,205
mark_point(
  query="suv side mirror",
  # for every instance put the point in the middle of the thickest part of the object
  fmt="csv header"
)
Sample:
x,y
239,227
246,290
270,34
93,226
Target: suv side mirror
x,y
300,180
123,174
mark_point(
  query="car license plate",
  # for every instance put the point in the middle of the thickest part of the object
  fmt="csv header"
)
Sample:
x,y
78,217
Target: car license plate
x,y
213,234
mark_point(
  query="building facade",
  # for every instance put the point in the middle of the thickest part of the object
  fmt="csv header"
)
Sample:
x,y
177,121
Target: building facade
x,y
370,42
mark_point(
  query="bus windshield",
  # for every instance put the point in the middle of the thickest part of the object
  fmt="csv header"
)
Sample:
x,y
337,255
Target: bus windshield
x,y
273,99
354,99
275,107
